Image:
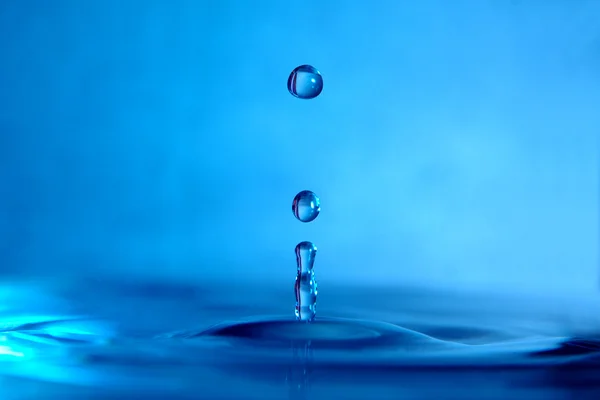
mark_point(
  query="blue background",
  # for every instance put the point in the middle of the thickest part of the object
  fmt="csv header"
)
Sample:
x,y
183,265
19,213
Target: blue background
x,y
455,144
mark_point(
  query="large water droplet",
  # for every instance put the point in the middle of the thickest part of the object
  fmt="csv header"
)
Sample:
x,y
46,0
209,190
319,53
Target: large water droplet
x,y
305,82
306,286
306,206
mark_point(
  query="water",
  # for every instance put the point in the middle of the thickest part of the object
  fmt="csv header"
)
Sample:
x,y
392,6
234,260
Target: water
x,y
306,285
306,206
305,82
117,342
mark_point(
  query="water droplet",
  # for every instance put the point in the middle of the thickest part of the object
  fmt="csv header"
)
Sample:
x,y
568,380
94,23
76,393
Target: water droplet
x,y
305,286
305,82
306,206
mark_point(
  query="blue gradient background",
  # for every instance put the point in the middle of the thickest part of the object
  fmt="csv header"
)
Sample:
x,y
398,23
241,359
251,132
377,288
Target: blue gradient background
x,y
455,144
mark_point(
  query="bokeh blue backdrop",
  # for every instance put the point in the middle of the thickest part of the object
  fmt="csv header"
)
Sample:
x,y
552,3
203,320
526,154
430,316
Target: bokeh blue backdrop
x,y
455,143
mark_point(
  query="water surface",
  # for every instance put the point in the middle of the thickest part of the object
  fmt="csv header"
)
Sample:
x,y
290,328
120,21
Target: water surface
x,y
92,339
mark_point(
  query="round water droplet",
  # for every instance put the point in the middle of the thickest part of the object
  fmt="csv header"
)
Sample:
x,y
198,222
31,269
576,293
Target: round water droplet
x,y
306,206
305,82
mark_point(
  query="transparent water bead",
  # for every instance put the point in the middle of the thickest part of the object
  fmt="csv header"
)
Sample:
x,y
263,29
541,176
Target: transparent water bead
x,y
306,206
305,82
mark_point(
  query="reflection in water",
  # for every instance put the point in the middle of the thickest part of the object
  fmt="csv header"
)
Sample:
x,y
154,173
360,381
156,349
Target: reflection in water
x,y
298,375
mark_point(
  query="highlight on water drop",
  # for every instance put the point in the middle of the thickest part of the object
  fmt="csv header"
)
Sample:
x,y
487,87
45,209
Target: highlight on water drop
x,y
305,82
306,206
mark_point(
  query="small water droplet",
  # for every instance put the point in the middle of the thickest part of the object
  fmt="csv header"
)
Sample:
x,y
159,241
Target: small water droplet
x,y
306,206
305,82
305,286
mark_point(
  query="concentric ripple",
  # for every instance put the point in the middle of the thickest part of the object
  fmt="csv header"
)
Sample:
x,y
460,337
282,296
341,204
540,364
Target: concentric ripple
x,y
323,333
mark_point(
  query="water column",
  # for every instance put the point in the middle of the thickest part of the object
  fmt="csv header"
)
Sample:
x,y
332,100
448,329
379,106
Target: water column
x,y
306,207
